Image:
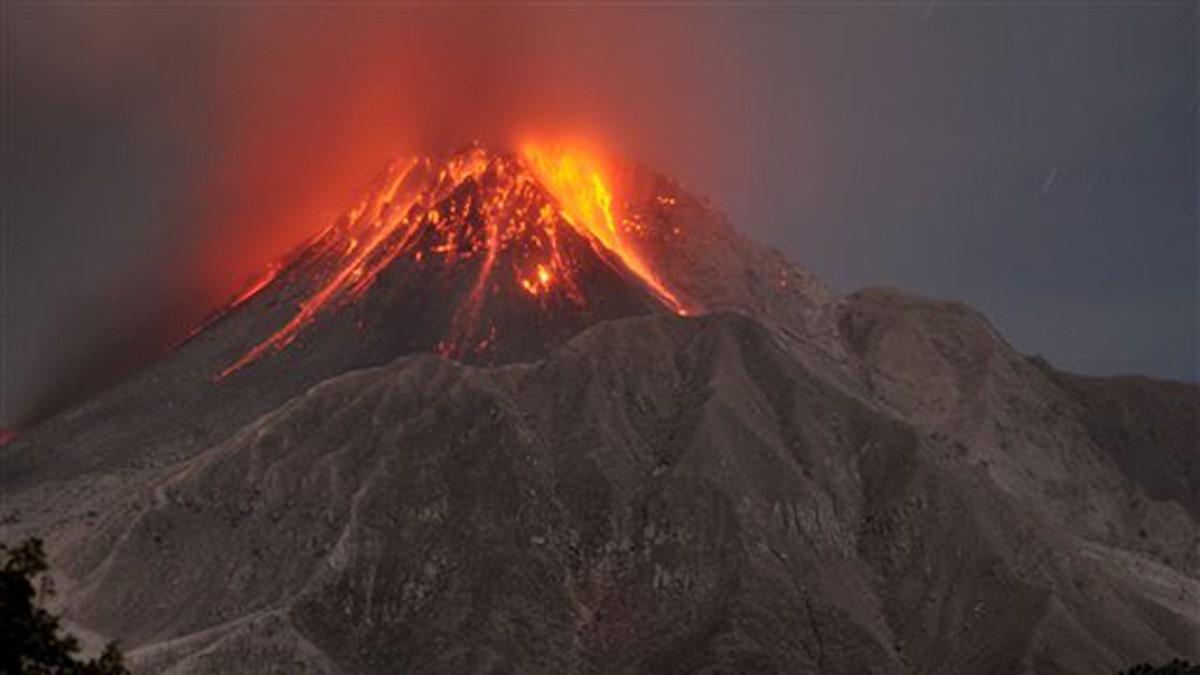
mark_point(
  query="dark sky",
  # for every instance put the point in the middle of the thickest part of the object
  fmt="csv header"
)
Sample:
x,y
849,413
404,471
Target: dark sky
x,y
1037,160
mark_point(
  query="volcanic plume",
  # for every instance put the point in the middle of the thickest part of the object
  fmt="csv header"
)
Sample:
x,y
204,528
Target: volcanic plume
x,y
496,241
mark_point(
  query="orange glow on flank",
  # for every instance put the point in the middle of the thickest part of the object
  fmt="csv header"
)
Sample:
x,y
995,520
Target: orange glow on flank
x,y
520,206
540,283
578,183
259,283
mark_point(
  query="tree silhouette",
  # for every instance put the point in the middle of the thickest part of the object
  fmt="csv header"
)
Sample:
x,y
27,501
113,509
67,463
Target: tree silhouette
x,y
30,638
1175,667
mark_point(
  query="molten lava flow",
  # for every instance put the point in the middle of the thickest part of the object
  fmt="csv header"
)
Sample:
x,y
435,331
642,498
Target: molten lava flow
x,y
504,214
587,204
262,281
356,243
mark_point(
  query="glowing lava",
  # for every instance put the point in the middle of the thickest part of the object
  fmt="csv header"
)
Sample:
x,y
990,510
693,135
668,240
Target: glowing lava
x,y
587,204
505,215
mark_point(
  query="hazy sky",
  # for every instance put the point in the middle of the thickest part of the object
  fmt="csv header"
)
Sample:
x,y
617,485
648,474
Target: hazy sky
x,y
1037,160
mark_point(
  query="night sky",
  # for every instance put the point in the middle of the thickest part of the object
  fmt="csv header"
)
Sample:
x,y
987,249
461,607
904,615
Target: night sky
x,y
1037,160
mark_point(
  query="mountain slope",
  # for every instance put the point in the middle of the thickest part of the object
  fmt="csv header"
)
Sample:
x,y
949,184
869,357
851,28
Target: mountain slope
x,y
1112,460
698,501
451,462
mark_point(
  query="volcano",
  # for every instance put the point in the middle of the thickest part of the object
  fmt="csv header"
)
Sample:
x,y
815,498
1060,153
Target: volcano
x,y
530,411
486,257
478,247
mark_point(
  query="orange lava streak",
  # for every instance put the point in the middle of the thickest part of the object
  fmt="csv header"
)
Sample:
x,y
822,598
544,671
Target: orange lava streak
x,y
576,182
466,317
363,239
262,281
513,204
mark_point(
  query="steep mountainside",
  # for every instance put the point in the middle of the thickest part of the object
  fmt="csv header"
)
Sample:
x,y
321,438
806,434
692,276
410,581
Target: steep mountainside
x,y
666,449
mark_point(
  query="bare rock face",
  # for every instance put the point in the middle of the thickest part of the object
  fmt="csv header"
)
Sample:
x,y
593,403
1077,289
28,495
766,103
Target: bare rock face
x,y
784,480
1113,460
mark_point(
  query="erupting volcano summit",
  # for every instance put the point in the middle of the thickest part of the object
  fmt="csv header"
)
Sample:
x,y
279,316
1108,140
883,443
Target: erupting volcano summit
x,y
489,234
785,479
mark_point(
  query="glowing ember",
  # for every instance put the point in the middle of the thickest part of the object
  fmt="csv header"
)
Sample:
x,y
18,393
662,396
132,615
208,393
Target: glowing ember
x,y
473,207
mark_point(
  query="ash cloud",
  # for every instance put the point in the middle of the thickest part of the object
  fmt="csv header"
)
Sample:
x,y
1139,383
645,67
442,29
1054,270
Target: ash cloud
x,y
191,146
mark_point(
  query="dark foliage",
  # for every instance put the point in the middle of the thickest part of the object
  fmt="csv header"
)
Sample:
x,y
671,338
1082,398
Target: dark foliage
x,y
1175,667
30,639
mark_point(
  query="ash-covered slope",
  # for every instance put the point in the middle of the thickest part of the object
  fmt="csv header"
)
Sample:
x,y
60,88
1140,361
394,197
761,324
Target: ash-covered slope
x,y
808,483
1112,460
661,495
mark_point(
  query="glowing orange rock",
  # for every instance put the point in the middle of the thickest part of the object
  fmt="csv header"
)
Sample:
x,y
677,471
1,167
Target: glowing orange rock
x,y
473,206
